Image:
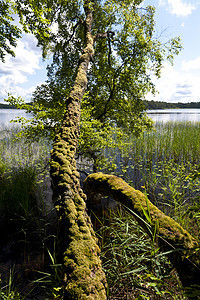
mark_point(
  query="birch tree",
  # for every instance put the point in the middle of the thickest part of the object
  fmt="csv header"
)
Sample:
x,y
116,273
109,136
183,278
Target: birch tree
x,y
108,49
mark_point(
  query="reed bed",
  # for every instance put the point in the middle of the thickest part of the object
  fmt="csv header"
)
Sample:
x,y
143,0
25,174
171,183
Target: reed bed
x,y
161,163
18,152
26,209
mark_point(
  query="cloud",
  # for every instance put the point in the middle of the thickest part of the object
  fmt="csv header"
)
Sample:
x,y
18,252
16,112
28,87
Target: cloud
x,y
177,86
15,71
179,8
183,89
17,91
25,61
184,92
191,64
30,42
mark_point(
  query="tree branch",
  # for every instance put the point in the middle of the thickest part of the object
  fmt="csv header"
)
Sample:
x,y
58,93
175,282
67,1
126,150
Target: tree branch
x,y
181,247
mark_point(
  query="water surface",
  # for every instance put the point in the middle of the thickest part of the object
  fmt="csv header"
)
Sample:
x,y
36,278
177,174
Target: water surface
x,y
6,115
157,115
175,115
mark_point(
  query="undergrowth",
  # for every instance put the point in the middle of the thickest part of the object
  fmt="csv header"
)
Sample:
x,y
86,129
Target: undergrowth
x,y
134,267
164,164
27,216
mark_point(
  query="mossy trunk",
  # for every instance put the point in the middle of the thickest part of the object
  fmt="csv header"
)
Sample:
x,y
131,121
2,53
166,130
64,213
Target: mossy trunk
x,y
183,249
83,275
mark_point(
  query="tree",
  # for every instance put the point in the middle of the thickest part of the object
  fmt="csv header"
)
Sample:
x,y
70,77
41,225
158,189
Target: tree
x,y
9,32
126,54
109,47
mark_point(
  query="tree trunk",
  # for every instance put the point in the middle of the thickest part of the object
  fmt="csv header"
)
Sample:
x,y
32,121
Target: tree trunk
x,y
83,275
183,249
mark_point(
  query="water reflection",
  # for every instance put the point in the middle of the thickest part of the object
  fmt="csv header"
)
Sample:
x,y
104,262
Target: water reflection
x,y
157,115
6,115
175,115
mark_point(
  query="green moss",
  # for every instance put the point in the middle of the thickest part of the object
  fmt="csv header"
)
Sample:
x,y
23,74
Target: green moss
x,y
64,185
136,200
79,257
169,234
84,276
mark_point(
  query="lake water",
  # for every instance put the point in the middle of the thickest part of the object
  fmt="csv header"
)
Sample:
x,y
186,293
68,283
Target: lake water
x,y
6,115
157,115
172,115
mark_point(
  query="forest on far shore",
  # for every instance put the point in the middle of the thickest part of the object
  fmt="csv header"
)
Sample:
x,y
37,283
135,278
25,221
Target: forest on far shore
x,y
149,105
162,105
6,106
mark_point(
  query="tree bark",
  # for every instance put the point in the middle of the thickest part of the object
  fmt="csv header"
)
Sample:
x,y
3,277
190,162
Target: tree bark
x,y
83,275
183,250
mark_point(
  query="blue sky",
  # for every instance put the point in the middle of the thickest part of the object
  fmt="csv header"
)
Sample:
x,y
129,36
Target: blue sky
x,y
179,83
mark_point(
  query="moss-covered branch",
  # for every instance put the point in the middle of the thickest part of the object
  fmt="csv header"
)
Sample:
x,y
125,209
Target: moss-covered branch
x,y
170,235
83,275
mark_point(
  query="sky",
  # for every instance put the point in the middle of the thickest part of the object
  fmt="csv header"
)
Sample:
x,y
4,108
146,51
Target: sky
x,y
180,82
21,74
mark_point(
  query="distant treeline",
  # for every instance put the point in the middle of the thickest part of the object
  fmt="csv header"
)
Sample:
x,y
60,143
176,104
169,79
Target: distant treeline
x,y
162,105
149,105
7,106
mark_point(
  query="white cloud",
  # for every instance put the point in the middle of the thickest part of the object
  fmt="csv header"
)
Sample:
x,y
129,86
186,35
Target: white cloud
x,y
175,86
191,64
17,91
178,7
15,71
25,61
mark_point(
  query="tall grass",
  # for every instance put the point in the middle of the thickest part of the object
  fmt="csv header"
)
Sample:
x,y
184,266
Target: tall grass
x,y
133,265
19,152
178,142
25,202
161,163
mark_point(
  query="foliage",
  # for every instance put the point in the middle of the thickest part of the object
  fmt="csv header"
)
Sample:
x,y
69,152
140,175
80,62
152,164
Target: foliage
x,y
16,189
51,281
133,264
22,167
27,214
9,32
7,292
165,163
127,53
126,246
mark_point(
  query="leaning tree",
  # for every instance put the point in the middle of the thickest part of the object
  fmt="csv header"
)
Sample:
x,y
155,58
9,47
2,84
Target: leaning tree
x,y
108,49
127,53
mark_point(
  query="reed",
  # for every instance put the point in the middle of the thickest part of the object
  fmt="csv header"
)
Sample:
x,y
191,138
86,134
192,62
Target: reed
x,y
162,163
134,267
25,206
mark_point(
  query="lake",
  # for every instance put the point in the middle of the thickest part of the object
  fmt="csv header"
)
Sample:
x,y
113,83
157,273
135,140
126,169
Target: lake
x,y
6,115
174,115
157,115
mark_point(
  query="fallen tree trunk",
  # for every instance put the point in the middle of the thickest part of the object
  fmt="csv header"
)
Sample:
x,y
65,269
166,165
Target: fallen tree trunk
x,y
183,249
77,245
